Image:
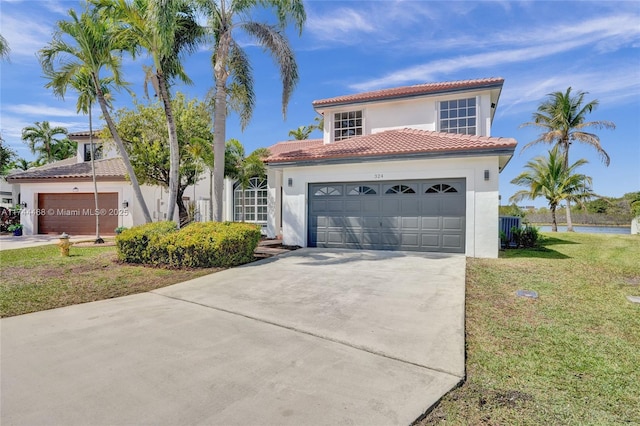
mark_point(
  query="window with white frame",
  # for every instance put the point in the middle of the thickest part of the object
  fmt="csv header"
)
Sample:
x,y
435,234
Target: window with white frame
x,y
458,116
250,205
347,125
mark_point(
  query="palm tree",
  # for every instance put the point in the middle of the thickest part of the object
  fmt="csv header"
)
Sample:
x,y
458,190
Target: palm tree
x,y
229,60
64,149
83,84
165,29
301,133
562,118
21,164
87,43
242,168
4,48
40,137
549,178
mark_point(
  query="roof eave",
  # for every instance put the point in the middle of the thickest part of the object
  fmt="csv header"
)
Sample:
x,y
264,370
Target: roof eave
x,y
501,151
492,85
18,180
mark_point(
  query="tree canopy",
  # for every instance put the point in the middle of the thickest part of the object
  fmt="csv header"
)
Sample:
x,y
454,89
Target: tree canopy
x,y
146,140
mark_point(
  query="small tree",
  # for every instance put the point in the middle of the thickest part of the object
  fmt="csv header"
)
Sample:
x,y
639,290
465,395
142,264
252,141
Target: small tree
x,y
147,142
547,177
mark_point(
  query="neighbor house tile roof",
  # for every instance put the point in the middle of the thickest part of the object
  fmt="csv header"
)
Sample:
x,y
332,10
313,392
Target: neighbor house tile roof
x,y
290,146
396,142
408,91
108,169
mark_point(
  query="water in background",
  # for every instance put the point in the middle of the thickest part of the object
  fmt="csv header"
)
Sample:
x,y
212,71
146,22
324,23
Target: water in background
x,y
590,229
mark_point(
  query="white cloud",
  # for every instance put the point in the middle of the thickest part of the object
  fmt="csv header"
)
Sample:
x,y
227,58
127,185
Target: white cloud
x,y
607,33
339,24
25,36
41,110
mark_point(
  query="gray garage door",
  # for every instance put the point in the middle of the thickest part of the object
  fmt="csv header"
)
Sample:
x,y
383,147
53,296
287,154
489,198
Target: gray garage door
x,y
426,215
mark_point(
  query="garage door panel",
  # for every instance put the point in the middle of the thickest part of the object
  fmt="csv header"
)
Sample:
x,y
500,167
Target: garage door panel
x,y
352,236
352,205
453,206
390,206
390,238
370,204
353,222
371,238
430,206
410,240
431,223
389,222
335,206
405,215
334,237
451,241
430,240
452,223
73,213
410,206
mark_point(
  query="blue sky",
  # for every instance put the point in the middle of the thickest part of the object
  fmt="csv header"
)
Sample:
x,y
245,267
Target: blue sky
x,y
354,46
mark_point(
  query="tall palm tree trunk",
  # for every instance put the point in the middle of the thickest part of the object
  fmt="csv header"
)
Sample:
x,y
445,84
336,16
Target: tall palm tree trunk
x,y
566,167
96,212
220,118
174,155
554,222
220,122
123,153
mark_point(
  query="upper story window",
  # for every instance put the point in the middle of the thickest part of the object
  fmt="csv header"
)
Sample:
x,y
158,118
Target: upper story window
x,y
347,125
97,152
458,116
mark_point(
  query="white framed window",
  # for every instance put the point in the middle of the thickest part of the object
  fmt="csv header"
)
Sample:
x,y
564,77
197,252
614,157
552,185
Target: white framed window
x,y
253,208
347,125
459,116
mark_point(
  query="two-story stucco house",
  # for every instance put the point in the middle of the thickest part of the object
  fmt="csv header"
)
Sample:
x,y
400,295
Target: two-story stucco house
x,y
409,168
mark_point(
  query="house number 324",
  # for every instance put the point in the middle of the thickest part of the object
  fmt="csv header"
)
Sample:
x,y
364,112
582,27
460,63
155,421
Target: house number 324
x,y
378,175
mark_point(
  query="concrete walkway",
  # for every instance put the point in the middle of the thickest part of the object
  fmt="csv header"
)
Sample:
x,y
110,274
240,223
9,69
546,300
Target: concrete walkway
x,y
9,242
309,337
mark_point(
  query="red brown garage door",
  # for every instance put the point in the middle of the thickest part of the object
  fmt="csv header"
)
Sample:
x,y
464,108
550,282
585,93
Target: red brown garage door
x,y
74,213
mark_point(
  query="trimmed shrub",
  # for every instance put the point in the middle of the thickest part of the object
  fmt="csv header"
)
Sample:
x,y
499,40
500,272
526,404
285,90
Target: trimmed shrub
x,y
199,244
526,237
136,245
211,244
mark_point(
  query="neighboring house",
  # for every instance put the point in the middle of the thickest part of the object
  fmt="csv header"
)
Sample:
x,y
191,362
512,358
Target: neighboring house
x,y
8,194
409,168
59,196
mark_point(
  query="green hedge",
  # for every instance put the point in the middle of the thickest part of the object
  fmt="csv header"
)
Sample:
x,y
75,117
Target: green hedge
x,y
200,244
138,244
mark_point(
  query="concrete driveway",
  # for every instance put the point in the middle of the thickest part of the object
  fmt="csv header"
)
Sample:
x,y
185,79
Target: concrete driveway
x,y
314,336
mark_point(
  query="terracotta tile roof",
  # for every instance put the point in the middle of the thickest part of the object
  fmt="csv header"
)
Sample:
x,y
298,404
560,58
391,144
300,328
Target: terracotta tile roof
x,y
416,90
396,142
289,146
107,169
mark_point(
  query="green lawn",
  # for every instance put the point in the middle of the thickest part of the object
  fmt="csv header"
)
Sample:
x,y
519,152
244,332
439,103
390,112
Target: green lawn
x,y
38,278
570,357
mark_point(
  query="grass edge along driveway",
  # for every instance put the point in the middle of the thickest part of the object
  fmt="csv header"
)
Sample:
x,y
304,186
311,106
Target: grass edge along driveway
x,y
569,357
